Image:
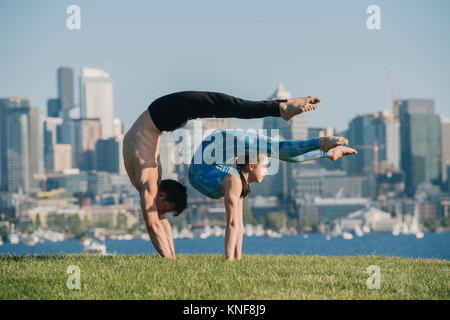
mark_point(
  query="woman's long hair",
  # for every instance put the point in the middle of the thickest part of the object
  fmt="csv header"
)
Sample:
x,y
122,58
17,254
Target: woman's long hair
x,y
241,167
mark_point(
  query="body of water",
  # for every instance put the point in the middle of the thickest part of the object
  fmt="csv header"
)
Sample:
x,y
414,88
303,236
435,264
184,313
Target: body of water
x,y
433,245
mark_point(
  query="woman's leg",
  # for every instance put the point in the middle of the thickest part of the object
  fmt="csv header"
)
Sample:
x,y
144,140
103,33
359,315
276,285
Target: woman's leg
x,y
288,150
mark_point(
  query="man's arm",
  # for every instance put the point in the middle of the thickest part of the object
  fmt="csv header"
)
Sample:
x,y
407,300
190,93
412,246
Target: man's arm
x,y
154,226
168,230
232,189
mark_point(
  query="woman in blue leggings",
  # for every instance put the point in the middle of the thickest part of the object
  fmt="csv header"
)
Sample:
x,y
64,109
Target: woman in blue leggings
x,y
212,172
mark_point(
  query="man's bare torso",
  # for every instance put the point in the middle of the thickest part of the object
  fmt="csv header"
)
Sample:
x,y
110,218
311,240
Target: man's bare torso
x,y
141,149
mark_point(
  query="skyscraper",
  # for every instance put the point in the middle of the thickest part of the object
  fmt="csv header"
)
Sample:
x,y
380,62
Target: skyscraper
x,y
53,108
65,90
277,122
50,139
118,134
107,155
376,137
97,99
445,125
320,132
5,105
62,157
86,134
24,148
420,134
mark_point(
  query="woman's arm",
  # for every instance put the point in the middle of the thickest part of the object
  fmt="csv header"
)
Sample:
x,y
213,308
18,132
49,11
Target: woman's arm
x,y
238,250
232,186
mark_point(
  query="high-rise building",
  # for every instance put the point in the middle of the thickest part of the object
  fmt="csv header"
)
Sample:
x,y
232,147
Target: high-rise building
x,y
277,122
392,148
97,99
24,148
54,108
328,183
420,134
118,133
62,157
4,108
86,134
107,155
51,126
5,105
376,137
314,132
65,90
445,125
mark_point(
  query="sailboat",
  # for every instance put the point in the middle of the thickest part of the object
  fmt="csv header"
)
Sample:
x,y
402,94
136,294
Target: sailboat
x,y
92,246
405,229
396,229
336,230
358,231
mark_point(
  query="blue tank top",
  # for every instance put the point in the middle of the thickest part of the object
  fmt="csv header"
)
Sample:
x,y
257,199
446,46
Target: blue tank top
x,y
208,178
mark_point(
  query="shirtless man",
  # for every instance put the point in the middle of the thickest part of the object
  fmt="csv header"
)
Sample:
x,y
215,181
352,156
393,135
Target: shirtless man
x,y
168,113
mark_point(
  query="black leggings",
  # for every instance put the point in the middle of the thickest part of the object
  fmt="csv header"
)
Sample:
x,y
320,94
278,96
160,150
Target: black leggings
x,y
172,111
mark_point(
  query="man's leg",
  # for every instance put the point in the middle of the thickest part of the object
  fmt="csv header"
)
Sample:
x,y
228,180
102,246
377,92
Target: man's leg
x,y
205,104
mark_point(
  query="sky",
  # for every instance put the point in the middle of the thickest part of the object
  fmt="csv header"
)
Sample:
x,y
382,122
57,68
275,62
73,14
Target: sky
x,y
242,48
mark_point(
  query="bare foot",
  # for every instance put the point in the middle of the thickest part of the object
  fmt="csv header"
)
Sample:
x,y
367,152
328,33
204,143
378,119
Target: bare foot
x,y
296,106
339,152
326,143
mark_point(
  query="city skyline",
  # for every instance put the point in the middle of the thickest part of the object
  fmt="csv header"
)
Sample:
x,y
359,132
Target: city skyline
x,y
346,64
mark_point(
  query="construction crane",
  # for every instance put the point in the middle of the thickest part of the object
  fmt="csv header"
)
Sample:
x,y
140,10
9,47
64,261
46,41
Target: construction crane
x,y
375,148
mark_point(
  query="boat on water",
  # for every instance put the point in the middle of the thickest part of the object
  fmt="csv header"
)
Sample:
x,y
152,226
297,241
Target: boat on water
x,y
420,235
337,231
366,229
347,236
185,233
396,230
13,238
358,231
273,234
94,246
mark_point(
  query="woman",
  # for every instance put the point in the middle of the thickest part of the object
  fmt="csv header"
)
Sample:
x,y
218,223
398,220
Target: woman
x,y
167,113
218,179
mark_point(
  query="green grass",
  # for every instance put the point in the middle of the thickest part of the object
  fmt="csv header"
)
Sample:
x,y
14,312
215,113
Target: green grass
x,y
211,277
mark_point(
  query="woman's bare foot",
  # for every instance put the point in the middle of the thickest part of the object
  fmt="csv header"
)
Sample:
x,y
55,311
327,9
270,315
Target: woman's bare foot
x,y
339,152
326,143
296,106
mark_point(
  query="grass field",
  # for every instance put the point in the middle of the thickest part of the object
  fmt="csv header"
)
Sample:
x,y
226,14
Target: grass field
x,y
211,277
